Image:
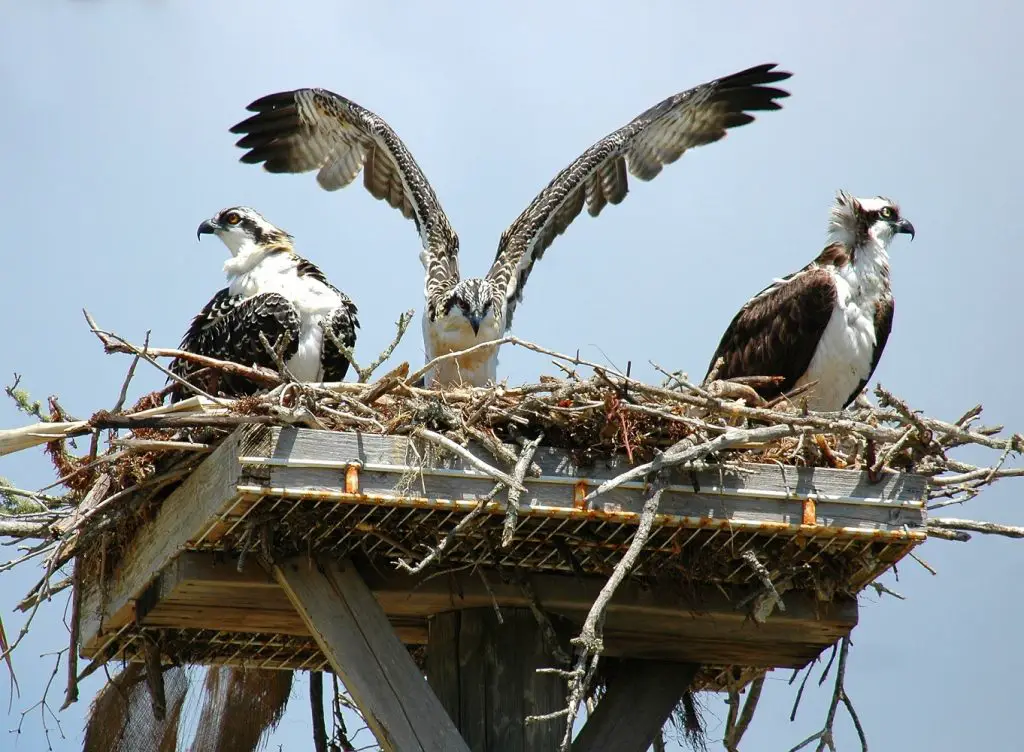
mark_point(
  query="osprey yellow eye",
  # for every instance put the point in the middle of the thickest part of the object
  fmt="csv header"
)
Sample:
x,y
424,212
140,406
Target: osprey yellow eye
x,y
887,213
232,218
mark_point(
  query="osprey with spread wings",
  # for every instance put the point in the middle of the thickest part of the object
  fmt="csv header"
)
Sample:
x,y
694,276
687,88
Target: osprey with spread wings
x,y
314,129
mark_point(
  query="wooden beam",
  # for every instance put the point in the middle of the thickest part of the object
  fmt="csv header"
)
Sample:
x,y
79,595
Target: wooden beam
x,y
638,700
108,605
353,632
485,673
761,493
201,591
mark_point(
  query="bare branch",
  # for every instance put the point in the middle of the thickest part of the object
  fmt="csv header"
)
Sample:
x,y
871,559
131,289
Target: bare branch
x,y
974,526
364,374
471,458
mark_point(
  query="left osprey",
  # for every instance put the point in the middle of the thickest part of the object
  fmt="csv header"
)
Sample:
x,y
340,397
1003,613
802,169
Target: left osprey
x,y
271,289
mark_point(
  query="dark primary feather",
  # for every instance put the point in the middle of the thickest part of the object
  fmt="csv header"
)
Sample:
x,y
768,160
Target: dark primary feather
x,y
657,137
777,332
343,323
225,329
883,326
315,129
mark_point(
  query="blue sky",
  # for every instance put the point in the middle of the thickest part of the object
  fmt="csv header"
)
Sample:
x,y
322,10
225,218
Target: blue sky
x,y
116,147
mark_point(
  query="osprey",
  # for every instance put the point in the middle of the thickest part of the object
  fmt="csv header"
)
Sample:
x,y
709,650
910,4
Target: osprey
x,y
314,129
827,323
273,290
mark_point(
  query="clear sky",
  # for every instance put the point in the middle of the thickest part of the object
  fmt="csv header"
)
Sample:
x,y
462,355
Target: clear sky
x,y
115,146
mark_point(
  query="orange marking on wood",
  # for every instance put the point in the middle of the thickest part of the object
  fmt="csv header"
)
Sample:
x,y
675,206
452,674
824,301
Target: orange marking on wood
x,y
579,494
352,479
810,513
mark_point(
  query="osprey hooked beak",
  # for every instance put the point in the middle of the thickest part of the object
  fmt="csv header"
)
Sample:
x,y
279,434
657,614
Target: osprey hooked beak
x,y
474,321
207,227
904,226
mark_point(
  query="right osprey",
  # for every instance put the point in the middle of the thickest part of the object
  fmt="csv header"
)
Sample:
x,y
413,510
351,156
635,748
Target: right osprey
x,y
827,323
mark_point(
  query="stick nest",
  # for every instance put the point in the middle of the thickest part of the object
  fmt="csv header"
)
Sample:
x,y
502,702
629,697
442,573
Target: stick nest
x,y
591,411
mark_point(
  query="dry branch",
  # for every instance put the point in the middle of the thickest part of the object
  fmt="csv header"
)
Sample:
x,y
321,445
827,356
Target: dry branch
x,y
974,526
113,343
826,737
589,645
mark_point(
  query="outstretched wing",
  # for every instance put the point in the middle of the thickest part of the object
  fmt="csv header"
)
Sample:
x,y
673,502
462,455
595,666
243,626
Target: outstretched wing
x,y
777,331
315,129
658,137
228,329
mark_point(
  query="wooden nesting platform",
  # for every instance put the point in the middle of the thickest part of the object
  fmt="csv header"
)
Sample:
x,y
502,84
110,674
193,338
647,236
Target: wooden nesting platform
x,y
822,534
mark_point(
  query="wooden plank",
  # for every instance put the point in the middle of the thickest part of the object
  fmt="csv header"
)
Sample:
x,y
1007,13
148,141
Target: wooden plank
x,y
314,460
486,671
109,605
334,449
472,679
658,621
547,498
443,664
354,634
638,700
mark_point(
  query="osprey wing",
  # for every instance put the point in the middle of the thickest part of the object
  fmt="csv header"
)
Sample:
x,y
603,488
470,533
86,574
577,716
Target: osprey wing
x,y
599,177
777,331
315,129
883,326
228,328
343,323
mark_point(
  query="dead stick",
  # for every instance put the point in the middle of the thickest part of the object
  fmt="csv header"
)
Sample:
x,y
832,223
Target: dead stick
x,y
519,474
71,694
472,459
975,526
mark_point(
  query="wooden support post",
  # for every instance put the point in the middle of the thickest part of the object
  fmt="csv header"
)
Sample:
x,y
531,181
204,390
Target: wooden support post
x,y
376,668
485,675
639,697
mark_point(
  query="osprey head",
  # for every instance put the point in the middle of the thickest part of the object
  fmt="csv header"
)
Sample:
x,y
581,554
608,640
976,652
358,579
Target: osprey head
x,y
857,221
471,299
241,229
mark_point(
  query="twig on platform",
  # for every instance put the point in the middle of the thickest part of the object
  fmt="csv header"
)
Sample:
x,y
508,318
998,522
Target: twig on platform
x,y
975,526
148,356
685,451
472,459
518,475
452,534
589,644
364,374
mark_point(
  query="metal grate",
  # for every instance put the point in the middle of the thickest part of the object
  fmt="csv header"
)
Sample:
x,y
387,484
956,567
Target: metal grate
x,y
271,651
557,541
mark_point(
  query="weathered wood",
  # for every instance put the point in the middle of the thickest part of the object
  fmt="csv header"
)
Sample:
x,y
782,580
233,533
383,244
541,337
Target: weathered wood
x,y
182,517
314,460
485,672
353,632
442,663
311,448
638,700
701,623
316,706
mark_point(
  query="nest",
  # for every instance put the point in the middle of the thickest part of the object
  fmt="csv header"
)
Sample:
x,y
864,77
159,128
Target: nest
x,y
598,417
